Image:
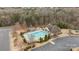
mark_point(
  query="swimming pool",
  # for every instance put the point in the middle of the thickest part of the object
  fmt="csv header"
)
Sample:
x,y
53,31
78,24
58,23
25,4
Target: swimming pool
x,y
35,35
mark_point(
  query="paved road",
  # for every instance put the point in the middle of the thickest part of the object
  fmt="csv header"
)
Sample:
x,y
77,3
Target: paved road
x,y
61,44
4,39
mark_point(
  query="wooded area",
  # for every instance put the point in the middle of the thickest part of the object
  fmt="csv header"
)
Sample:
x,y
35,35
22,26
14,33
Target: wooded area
x,y
64,17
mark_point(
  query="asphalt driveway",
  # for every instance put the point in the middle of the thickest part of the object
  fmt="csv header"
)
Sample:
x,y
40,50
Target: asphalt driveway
x,y
4,39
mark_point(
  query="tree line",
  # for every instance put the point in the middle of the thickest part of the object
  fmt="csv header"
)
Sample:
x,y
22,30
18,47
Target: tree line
x,y
63,17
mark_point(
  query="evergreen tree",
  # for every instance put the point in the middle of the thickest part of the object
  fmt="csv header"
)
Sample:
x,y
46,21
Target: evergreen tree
x,y
46,38
41,39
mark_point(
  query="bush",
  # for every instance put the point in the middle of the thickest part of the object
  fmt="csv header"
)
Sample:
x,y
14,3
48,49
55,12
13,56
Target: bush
x,y
49,36
62,25
24,40
15,17
27,48
41,40
0,25
23,37
46,38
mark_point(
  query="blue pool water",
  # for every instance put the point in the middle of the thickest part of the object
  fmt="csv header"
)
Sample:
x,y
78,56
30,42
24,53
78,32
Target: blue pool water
x,y
35,35
39,34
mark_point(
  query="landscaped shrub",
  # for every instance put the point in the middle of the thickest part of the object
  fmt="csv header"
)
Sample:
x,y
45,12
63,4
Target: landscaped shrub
x,y
22,34
27,48
46,38
49,36
33,45
41,40
24,40
23,37
0,25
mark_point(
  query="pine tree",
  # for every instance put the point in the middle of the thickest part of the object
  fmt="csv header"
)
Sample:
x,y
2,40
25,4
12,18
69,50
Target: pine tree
x,y
46,38
41,39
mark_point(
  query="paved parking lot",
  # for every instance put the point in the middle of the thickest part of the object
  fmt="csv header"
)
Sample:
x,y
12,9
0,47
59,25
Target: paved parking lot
x,y
61,44
4,39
